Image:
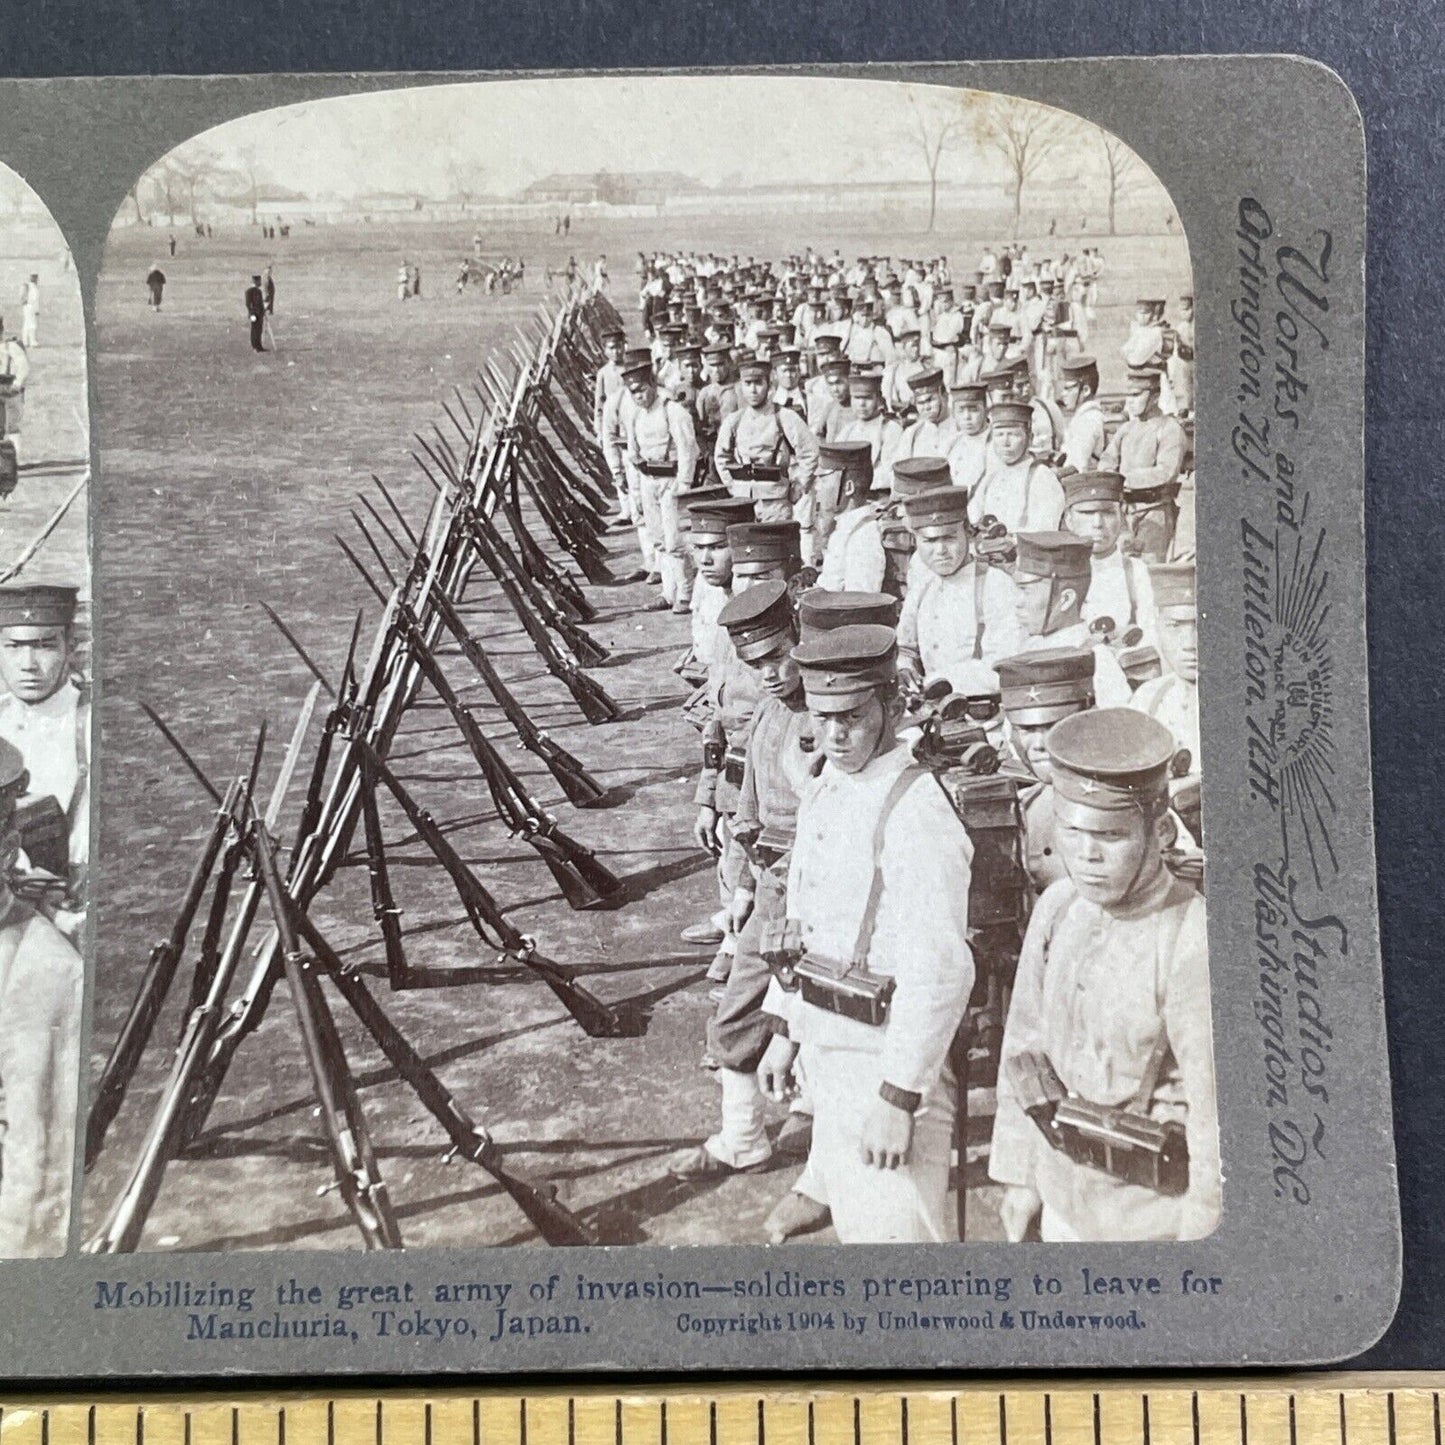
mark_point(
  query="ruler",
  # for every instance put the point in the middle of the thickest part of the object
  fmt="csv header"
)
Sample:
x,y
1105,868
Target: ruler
x,y
1263,1410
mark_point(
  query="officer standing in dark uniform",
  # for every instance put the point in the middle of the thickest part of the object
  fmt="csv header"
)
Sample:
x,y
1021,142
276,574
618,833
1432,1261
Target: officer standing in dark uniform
x,y
256,312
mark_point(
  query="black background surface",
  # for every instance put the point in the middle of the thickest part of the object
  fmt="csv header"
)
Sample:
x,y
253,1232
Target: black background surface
x,y
1392,57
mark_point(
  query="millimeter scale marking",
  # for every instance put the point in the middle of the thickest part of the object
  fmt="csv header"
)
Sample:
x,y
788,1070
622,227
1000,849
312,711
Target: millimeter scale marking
x,y
1268,1410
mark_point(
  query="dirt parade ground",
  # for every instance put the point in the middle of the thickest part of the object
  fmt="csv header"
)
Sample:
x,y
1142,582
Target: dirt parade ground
x,y
53,444
223,476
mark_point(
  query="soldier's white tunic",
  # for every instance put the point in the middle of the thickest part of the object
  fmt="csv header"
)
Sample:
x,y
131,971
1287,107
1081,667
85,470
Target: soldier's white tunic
x,y
1175,703
854,560
927,438
707,637
918,939
51,737
1024,495
882,434
1085,437
1120,587
1097,990
1147,451
41,979
968,459
939,627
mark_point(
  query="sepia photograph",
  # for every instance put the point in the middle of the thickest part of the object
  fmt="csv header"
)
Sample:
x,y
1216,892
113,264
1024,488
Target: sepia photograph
x,y
667,710
45,704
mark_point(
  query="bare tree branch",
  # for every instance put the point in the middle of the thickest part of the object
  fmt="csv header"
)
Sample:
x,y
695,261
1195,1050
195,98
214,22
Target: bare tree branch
x,y
1126,172
1025,134
932,147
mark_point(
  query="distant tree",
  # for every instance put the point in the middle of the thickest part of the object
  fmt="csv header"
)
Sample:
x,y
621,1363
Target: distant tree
x,y
1127,173
466,176
932,136
194,176
612,190
1025,134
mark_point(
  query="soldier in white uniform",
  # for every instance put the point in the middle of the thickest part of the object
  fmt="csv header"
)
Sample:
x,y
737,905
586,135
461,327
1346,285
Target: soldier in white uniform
x,y
30,312
662,450
1119,586
779,756
865,343
760,552
1051,576
935,431
14,373
710,513
854,560
872,424
1181,361
613,440
609,375
1110,1007
766,452
826,346
960,615
41,985
1037,690
832,410
1017,489
1174,698
45,714
879,877
968,458
899,374
1085,436
1148,449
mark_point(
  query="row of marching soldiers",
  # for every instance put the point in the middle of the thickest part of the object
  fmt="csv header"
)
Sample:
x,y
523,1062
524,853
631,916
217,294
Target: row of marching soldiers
x,y
951,785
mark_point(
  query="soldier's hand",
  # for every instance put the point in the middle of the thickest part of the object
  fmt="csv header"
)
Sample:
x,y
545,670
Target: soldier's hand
x,y
887,1135
1021,1206
775,1072
739,910
704,831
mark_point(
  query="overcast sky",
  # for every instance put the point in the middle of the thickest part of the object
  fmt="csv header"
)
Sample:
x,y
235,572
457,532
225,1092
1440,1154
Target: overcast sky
x,y
501,135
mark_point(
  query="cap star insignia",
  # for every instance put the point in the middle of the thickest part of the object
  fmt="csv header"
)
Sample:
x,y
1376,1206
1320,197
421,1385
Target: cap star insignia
x,y
28,614
1033,694
1089,785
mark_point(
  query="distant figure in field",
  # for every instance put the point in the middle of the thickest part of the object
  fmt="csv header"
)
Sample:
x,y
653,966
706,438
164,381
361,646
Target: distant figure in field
x,y
477,245
156,285
599,274
256,312
173,243
416,278
567,224
14,372
403,280
268,292
30,311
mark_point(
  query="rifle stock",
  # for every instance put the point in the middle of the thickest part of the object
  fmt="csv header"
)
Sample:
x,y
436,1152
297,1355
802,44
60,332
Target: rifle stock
x,y
578,784
553,1221
598,1019
160,973
584,881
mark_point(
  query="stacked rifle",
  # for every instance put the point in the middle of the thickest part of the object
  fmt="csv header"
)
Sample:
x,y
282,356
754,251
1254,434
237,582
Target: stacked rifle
x,y
525,455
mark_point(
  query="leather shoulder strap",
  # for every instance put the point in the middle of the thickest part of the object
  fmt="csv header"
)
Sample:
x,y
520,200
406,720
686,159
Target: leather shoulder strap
x,y
1169,930
869,920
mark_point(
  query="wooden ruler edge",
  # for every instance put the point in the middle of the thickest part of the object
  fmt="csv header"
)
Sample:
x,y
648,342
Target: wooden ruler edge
x,y
266,1394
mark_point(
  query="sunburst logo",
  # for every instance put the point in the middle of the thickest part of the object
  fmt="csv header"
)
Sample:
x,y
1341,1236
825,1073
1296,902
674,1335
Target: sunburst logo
x,y
1302,725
